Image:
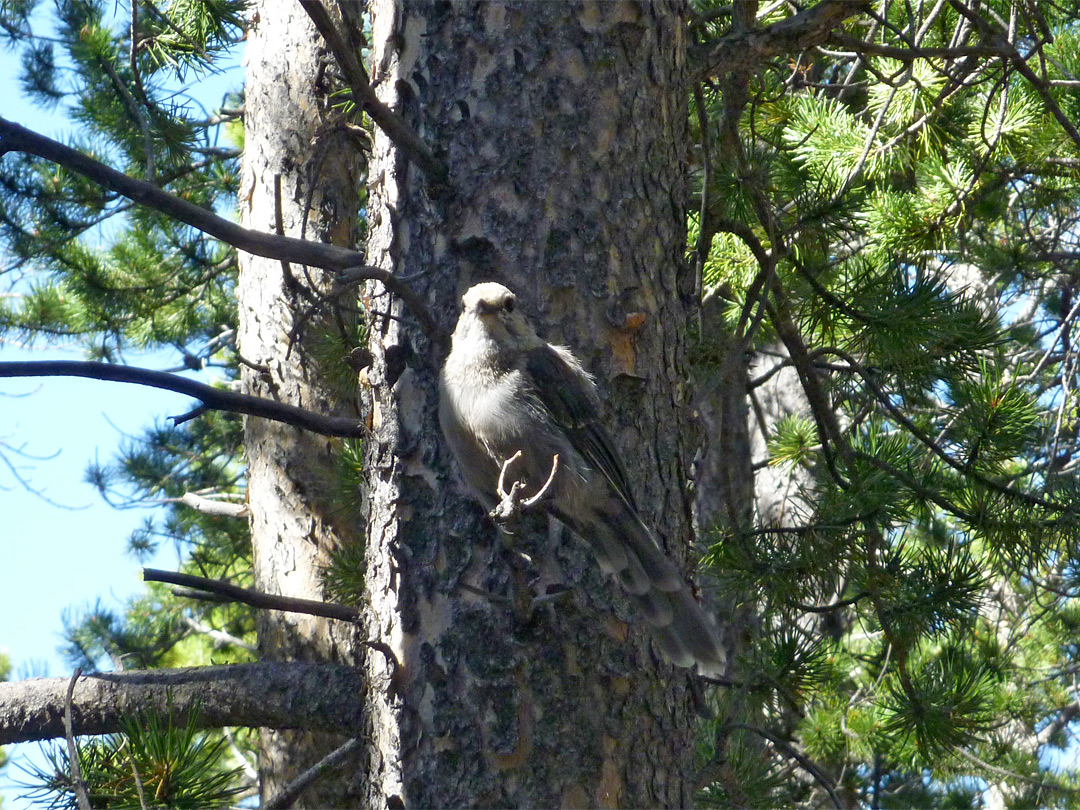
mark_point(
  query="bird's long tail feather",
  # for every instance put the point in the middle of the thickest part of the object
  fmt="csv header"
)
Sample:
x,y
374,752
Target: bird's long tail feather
x,y
626,549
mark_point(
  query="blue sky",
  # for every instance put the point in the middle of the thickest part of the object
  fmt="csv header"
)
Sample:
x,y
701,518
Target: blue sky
x,y
54,559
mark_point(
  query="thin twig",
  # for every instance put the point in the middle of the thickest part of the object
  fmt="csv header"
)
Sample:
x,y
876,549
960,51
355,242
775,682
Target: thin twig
x,y
843,603
77,783
387,120
705,226
790,750
547,484
139,111
135,775
1013,774
1000,39
511,503
291,792
219,636
136,112
500,487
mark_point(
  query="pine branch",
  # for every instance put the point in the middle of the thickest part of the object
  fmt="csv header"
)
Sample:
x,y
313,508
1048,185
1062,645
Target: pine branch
x,y
746,51
1001,41
863,47
387,120
1014,775
211,398
77,782
886,402
15,138
789,750
271,694
291,792
257,599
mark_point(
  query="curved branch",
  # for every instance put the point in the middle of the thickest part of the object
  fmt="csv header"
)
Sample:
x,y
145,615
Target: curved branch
x,y
790,750
387,120
15,138
747,50
273,694
217,398
291,792
77,782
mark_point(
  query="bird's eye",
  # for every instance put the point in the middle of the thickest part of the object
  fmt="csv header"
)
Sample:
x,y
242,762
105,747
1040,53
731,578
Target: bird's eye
x,y
508,304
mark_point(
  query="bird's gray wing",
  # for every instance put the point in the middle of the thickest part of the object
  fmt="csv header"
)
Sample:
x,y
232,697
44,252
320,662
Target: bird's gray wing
x,y
566,394
623,545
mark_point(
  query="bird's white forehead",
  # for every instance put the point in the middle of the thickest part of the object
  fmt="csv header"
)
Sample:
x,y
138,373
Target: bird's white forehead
x,y
490,292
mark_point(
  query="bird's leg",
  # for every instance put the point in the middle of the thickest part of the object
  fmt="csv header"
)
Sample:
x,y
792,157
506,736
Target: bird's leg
x,y
512,504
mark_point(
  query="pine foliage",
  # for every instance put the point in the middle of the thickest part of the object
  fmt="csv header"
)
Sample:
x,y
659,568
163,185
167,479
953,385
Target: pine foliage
x,y
920,211
891,224
155,762
86,267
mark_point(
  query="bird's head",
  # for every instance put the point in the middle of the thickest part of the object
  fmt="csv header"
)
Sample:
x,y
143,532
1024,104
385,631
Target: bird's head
x,y
493,310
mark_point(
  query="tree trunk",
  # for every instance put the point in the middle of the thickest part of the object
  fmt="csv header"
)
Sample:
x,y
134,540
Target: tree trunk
x,y
563,126
286,325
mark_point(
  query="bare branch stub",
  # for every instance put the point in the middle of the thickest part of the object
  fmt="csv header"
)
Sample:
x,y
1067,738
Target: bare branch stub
x,y
389,121
513,502
77,783
249,596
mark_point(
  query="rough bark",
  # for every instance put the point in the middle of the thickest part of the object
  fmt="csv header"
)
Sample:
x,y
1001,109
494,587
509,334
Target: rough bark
x,y
563,127
286,321
724,504
723,463
273,694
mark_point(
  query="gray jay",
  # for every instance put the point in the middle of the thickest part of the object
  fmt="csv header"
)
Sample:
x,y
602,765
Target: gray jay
x,y
505,390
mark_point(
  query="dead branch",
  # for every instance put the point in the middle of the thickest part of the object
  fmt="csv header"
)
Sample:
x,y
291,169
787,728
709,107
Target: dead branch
x,y
513,503
77,783
217,398
257,599
291,792
15,138
386,119
211,507
271,694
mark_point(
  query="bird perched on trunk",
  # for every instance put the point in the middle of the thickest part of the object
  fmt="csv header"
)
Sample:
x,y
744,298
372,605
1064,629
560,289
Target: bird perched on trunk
x,y
504,390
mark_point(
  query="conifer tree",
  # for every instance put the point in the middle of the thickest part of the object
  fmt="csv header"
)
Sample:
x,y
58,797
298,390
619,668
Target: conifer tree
x,y
850,224
889,226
